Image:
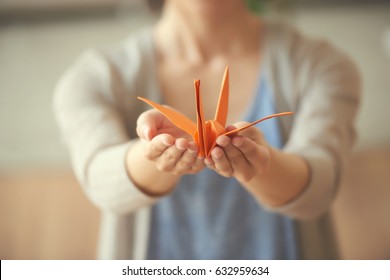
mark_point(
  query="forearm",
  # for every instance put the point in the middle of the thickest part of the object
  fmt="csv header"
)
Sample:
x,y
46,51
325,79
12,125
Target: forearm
x,y
285,178
145,174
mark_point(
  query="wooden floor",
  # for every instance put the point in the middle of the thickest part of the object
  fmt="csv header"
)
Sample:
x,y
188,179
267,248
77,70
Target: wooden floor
x,y
362,207
45,215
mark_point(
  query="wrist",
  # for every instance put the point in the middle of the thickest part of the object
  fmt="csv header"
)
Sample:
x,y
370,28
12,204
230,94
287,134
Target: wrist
x,y
284,179
145,176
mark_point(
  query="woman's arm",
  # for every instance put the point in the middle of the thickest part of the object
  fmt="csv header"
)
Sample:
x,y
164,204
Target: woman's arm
x,y
87,107
270,175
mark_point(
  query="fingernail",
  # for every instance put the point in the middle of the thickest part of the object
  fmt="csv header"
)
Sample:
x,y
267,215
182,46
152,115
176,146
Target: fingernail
x,y
230,127
223,141
216,155
237,141
179,147
192,149
146,133
166,142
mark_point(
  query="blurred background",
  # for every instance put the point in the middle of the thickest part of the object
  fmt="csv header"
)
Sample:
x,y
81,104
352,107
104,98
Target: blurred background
x,y
43,212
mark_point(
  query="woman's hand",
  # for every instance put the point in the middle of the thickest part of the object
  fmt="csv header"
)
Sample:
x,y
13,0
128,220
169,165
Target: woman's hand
x,y
171,149
243,156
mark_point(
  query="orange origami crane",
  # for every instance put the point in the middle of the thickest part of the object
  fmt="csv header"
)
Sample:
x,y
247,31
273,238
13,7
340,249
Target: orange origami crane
x,y
204,132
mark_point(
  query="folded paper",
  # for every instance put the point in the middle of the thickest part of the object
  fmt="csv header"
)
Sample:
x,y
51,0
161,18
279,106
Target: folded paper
x,y
204,132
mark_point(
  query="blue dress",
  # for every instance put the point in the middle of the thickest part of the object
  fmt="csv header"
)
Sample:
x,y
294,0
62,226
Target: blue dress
x,y
212,217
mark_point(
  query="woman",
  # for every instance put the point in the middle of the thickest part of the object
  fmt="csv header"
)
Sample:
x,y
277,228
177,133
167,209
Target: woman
x,y
262,194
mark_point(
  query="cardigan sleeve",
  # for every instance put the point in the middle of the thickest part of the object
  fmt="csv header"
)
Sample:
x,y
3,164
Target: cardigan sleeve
x,y
87,107
324,90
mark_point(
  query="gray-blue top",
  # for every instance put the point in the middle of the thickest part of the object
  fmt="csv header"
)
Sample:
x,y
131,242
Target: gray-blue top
x,y
212,217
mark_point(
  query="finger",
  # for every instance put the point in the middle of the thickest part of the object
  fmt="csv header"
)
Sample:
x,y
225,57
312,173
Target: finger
x,y
235,156
235,126
209,162
221,162
158,146
240,124
198,164
168,160
230,127
251,132
186,162
242,168
182,144
257,155
148,123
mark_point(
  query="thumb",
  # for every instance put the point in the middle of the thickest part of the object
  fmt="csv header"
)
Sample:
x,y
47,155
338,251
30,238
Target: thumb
x,y
251,132
147,124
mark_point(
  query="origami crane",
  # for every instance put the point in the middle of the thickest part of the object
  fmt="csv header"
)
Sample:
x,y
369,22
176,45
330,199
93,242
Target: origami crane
x,y
204,132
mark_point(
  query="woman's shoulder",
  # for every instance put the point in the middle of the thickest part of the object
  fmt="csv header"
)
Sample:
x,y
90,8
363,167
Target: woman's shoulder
x,y
133,51
113,70
289,44
126,55
120,66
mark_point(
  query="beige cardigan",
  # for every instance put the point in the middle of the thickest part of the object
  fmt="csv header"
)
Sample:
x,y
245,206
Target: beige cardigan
x,y
96,109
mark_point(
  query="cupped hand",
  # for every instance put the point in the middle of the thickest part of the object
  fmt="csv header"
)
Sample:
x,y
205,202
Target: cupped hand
x,y
242,156
169,147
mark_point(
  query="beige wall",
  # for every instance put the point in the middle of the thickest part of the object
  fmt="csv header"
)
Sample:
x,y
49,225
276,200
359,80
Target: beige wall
x,y
43,212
